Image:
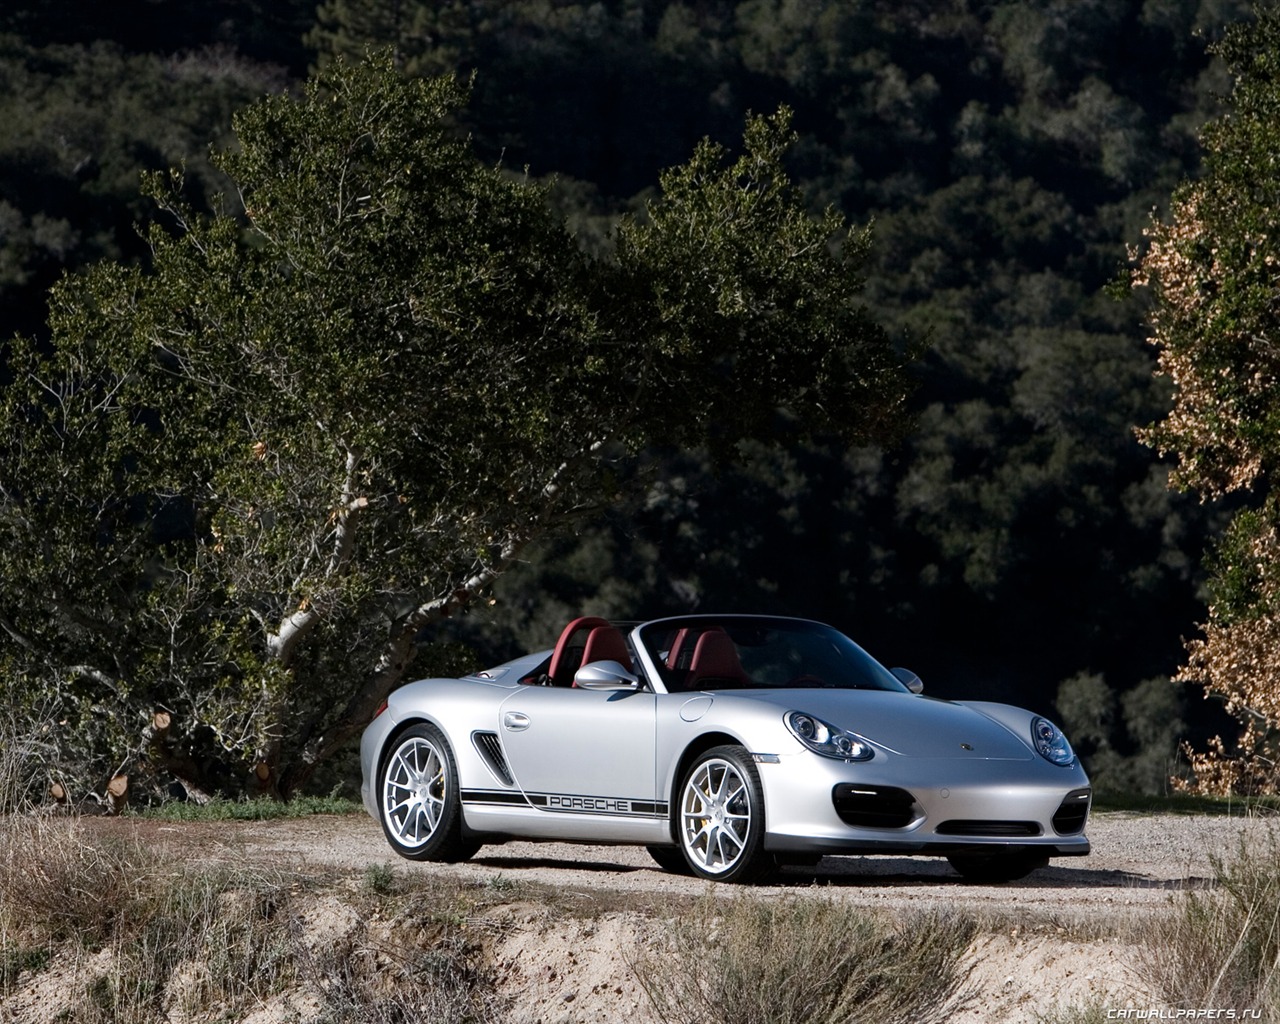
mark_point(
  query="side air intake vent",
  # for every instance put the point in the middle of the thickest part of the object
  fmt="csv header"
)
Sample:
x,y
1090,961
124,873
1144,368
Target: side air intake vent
x,y
490,751
874,806
1070,817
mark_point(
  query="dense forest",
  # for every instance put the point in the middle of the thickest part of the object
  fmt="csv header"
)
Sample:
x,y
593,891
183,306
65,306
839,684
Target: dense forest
x,y
1018,543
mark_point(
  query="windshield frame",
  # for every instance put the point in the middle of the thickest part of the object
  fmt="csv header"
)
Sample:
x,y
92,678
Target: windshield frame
x,y
847,665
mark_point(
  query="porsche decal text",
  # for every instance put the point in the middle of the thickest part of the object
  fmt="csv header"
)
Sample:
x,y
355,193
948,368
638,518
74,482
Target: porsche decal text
x,y
588,803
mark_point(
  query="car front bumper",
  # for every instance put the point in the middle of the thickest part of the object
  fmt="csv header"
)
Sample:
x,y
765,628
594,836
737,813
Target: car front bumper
x,y
930,806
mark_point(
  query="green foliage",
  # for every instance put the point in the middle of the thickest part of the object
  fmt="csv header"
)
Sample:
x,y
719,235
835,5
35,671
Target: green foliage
x,y
245,478
81,123
380,879
15,959
1185,803
1128,742
421,35
1212,271
1243,586
267,31
251,810
1088,710
745,296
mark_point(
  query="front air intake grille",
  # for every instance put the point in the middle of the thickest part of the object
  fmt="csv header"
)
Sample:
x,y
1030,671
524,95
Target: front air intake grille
x,y
1004,829
874,806
1071,815
491,751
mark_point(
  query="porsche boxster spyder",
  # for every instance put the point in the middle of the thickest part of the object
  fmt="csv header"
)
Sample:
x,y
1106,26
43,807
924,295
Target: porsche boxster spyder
x,y
727,745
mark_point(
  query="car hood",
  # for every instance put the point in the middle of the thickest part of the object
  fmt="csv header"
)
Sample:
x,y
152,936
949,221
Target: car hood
x,y
905,724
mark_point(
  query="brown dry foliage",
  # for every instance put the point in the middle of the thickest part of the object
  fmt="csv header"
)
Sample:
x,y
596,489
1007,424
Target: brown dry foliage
x,y
1213,269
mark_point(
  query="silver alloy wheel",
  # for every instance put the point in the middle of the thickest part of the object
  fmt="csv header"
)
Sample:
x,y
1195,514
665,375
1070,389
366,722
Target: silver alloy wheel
x,y
715,815
414,791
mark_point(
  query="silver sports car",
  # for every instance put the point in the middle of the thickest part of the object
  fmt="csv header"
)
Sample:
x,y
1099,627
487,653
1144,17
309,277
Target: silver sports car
x,y
727,745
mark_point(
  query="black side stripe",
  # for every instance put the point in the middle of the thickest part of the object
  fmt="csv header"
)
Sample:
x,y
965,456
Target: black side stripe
x,y
489,796
569,803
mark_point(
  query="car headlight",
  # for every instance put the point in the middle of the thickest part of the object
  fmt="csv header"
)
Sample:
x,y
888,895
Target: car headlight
x,y
1050,742
826,739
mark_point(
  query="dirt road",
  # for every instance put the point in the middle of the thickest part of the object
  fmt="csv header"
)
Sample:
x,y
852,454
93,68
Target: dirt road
x,y
1138,861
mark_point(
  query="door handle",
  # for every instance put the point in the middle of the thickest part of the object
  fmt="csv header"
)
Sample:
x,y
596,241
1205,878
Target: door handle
x,y
516,721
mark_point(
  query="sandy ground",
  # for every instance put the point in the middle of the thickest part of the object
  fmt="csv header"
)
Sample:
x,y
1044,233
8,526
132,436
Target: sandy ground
x,y
1138,862
1062,937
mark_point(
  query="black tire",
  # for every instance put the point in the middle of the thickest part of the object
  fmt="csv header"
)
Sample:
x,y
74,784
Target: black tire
x,y
418,801
720,817
670,858
997,867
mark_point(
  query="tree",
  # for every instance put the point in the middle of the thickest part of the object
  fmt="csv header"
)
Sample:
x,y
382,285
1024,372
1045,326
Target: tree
x,y
1212,269
243,481
81,123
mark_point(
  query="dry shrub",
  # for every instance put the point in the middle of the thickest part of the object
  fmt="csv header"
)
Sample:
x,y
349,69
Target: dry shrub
x,y
443,984
187,939
805,960
426,963
1223,950
226,932
57,883
26,755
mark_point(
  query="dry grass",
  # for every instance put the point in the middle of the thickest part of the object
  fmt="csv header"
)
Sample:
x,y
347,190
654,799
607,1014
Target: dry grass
x,y
805,961
147,939
1222,951
226,934
126,934
25,757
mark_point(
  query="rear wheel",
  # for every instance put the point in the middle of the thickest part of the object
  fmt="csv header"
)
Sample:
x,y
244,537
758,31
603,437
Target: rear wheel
x,y
418,800
996,867
721,817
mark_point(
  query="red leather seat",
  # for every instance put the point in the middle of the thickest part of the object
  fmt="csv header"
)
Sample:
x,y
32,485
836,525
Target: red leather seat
x,y
605,643
566,659
715,663
583,641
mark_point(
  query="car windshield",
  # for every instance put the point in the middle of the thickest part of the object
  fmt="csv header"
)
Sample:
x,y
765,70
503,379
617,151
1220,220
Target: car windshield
x,y
758,653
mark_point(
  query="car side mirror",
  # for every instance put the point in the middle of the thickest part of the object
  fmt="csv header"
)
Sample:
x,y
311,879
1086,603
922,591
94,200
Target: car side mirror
x,y
908,679
605,675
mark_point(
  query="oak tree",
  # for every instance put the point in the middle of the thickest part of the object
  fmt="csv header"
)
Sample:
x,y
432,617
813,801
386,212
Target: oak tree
x,y
241,483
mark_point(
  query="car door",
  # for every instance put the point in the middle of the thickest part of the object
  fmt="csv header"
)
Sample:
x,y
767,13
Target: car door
x,y
578,751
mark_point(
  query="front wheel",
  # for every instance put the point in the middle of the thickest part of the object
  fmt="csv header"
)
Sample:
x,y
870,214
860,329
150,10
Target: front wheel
x,y
721,824
996,867
419,806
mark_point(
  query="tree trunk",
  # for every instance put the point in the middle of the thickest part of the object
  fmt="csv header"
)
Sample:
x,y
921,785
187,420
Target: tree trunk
x,y
117,794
